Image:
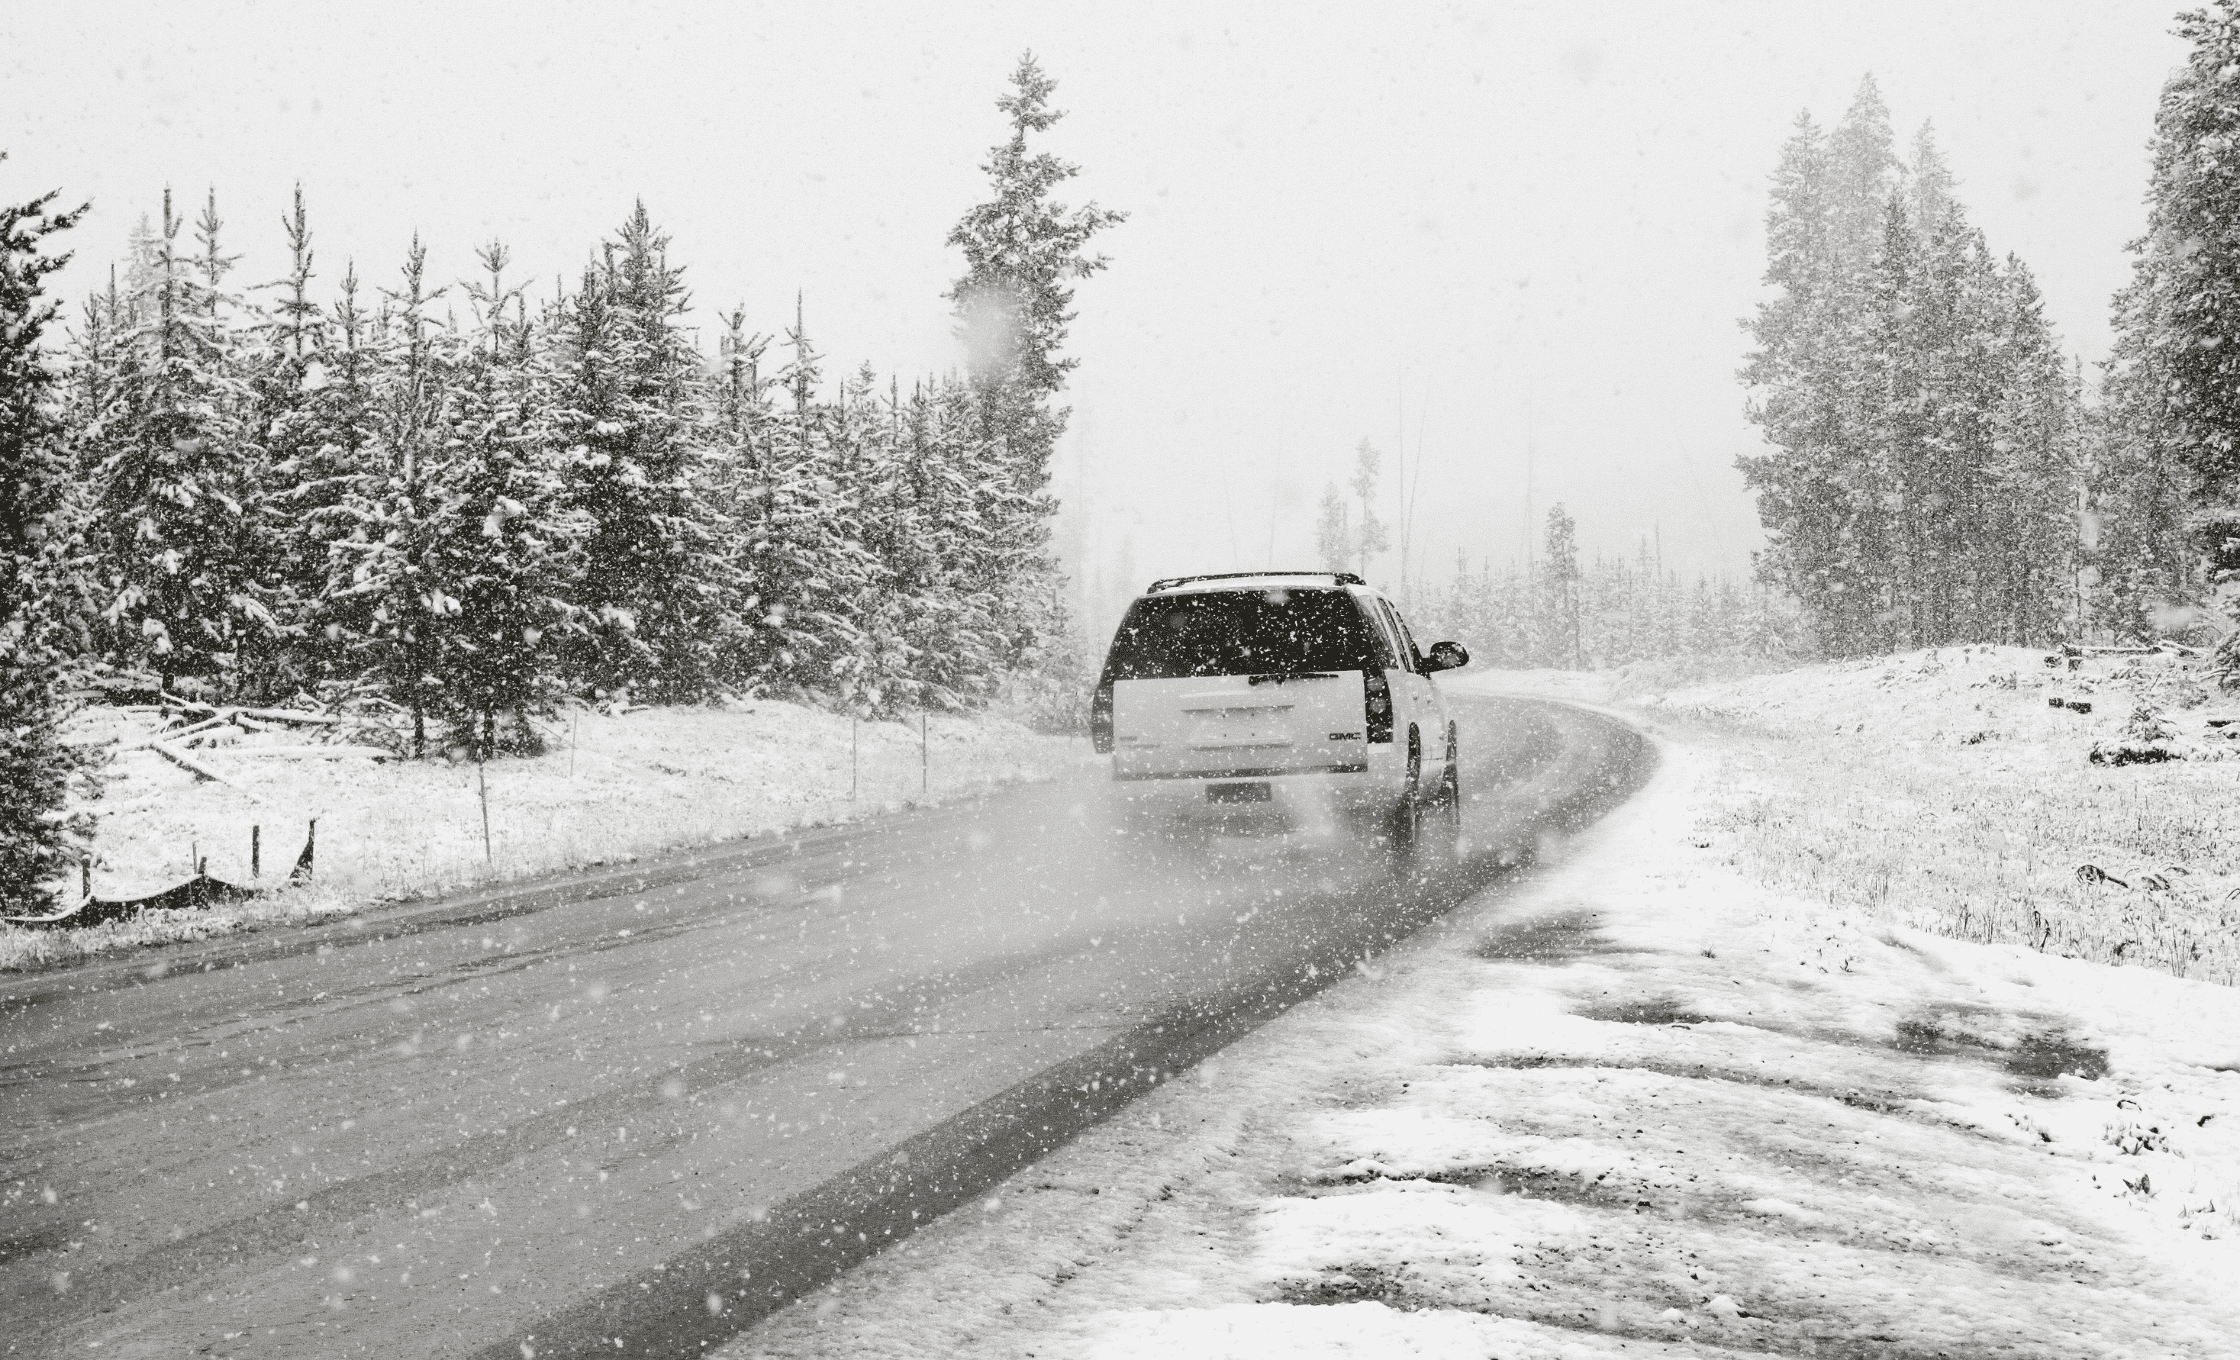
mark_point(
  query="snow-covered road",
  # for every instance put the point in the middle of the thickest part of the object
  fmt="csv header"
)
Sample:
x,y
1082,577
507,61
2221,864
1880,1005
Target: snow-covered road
x,y
649,1111
1631,1103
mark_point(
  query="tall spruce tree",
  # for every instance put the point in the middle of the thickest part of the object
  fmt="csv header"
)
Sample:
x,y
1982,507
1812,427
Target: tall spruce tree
x,y
381,605
1561,630
41,604
630,416
1335,545
1023,252
309,454
499,538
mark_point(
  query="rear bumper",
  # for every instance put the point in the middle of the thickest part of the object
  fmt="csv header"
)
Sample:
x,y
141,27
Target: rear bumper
x,y
1245,772
1294,797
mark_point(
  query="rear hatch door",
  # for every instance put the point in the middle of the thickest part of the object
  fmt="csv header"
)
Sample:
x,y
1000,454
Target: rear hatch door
x,y
1240,681
1273,723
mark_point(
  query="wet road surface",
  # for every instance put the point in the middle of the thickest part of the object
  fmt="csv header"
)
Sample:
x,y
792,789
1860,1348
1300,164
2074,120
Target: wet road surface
x,y
633,1112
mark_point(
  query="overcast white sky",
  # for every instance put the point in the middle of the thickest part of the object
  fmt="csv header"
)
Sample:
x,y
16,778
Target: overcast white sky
x,y
1502,218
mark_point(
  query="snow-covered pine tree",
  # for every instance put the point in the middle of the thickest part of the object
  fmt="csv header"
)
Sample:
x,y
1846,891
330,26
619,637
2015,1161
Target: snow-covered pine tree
x,y
312,442
1890,471
179,542
874,518
2029,556
1560,631
739,435
1334,541
42,602
1023,252
630,412
1369,535
796,554
2168,482
379,606
498,539
1801,375
338,477
952,609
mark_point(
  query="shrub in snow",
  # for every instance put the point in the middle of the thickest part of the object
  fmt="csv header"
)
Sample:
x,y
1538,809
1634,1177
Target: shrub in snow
x,y
2145,740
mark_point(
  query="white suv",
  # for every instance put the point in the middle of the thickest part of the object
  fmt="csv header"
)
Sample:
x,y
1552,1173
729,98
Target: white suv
x,y
1298,694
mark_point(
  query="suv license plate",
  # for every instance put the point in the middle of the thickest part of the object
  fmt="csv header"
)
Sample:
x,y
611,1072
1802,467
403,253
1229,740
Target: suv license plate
x,y
1237,793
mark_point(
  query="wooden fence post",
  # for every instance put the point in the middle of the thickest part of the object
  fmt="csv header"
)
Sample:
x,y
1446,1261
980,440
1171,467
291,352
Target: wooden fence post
x,y
482,787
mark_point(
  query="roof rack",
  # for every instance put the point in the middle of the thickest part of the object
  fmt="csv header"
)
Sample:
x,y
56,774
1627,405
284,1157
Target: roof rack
x,y
1343,578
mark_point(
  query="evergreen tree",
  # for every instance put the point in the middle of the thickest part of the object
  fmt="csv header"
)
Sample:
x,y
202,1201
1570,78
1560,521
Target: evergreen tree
x,y
1818,519
798,633
177,497
335,472
1370,537
1923,435
41,605
2166,477
381,604
1334,543
1561,631
1023,252
498,538
630,418
311,445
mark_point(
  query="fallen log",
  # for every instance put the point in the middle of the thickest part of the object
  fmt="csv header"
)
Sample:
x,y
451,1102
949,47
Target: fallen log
x,y
172,734
227,713
335,752
193,766
289,715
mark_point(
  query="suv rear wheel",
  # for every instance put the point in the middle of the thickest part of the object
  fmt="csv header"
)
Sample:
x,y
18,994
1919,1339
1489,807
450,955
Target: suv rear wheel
x,y
1407,814
1426,825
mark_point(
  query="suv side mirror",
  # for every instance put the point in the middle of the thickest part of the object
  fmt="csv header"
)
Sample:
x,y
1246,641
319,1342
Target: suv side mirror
x,y
1447,656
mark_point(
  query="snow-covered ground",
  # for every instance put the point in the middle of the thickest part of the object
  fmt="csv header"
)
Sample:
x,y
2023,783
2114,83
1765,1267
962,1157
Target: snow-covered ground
x,y
1655,1099
610,788
1955,790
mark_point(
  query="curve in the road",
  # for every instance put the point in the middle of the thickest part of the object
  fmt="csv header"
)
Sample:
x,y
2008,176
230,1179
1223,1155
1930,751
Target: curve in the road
x,y
703,1297
597,1110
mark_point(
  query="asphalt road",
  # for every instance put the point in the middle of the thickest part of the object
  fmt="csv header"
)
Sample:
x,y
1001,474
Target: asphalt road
x,y
632,1112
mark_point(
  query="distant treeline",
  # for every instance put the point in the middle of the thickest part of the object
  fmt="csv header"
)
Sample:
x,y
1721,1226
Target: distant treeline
x,y
469,502
1557,612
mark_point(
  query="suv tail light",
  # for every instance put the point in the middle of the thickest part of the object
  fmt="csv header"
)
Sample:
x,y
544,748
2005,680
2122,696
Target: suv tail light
x,y
1100,718
1376,705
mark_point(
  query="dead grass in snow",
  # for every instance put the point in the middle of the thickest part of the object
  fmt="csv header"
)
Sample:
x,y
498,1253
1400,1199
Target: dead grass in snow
x,y
1942,791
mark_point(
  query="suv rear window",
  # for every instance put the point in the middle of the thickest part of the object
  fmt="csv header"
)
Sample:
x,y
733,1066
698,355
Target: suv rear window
x,y
1243,632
